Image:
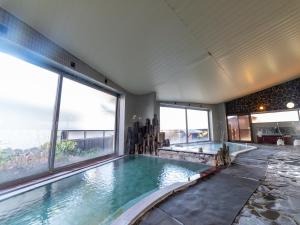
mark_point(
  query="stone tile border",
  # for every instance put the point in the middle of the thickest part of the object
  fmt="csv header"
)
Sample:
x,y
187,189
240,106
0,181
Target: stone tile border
x,y
250,148
133,214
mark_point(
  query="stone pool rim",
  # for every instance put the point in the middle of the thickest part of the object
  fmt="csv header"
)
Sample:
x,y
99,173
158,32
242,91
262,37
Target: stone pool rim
x,y
233,154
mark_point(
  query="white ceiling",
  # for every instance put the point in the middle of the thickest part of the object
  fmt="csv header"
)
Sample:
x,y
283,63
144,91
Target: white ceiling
x,y
163,45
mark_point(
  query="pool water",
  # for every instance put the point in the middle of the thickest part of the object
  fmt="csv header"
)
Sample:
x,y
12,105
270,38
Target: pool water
x,y
96,196
208,147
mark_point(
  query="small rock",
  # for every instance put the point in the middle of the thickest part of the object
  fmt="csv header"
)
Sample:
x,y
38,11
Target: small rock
x,y
270,214
269,197
256,205
253,212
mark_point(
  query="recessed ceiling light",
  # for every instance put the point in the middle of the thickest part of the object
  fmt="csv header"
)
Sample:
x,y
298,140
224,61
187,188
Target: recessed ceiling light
x,y
290,105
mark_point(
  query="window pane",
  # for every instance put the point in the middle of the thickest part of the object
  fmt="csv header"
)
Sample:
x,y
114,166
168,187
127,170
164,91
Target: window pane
x,y
233,128
86,123
197,125
172,122
245,129
275,117
27,98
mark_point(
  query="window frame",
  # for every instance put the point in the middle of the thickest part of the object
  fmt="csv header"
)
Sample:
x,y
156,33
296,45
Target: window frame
x,y
62,72
186,108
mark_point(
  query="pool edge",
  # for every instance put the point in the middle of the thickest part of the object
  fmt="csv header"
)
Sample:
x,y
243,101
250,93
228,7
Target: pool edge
x,y
235,154
138,210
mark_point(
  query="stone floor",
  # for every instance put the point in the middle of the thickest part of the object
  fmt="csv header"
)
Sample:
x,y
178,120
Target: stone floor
x,y
269,175
277,199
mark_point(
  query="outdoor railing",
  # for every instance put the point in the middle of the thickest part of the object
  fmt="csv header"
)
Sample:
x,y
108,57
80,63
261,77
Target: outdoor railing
x,y
89,139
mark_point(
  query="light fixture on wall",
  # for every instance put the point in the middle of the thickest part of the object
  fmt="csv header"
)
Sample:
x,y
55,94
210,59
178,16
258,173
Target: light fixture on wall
x,y
261,108
290,105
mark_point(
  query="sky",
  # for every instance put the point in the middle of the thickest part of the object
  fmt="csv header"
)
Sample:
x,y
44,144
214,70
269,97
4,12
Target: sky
x,y
174,119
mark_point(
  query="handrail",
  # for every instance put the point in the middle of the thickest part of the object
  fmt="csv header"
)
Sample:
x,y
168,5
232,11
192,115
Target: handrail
x,y
84,130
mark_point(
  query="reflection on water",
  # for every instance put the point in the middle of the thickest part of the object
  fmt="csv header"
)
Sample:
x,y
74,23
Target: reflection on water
x,y
277,200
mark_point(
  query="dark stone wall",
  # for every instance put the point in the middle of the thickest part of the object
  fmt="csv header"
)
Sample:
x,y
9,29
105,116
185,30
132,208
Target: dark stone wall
x,y
274,98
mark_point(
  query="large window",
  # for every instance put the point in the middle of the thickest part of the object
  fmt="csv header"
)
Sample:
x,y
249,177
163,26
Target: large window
x,y
183,125
197,125
172,122
27,98
86,123
32,128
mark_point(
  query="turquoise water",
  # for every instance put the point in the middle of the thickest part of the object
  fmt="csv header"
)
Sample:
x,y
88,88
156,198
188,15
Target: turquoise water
x,y
96,196
209,148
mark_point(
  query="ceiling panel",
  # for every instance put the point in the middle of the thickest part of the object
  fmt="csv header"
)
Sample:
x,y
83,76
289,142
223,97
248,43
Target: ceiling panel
x,y
163,45
201,85
256,42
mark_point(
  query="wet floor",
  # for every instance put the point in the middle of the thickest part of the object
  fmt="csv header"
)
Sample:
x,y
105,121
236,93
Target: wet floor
x,y
277,199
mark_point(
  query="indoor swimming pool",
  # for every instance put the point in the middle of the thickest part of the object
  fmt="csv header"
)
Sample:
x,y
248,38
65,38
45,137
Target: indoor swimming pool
x,y
96,196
